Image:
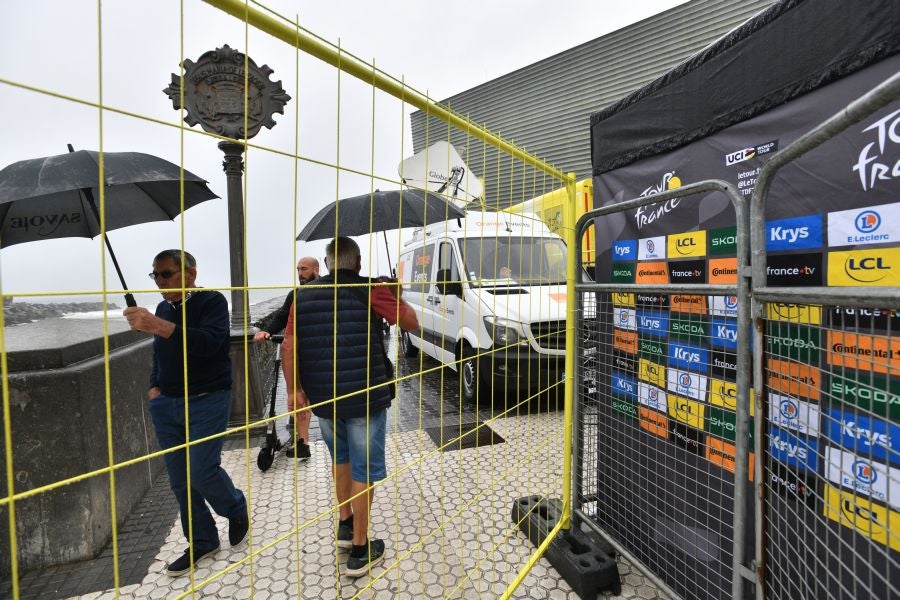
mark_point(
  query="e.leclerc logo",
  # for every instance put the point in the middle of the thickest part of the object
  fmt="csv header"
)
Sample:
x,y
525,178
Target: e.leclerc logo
x,y
862,226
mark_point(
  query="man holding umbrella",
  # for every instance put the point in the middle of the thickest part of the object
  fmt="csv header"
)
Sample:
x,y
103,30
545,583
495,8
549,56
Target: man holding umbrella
x,y
191,329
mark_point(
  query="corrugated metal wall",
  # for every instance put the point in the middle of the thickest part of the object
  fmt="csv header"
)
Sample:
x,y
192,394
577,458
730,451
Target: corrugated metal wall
x,y
545,107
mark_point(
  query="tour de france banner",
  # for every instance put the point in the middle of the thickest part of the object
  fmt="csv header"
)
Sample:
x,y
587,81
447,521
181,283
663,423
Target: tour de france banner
x,y
832,373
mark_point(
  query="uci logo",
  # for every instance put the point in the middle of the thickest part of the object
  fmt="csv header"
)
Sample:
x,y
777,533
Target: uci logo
x,y
865,270
789,409
868,221
864,472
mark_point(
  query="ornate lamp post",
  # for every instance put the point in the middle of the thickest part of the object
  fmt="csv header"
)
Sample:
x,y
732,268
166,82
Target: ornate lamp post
x,y
226,93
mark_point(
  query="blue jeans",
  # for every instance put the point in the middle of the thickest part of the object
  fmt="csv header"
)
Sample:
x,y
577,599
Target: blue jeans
x,y
360,442
209,482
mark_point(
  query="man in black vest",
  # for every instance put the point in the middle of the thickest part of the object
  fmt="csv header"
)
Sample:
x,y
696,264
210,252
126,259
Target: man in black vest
x,y
191,328
342,371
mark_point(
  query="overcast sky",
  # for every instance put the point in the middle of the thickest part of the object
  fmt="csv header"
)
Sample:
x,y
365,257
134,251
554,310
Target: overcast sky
x,y
441,48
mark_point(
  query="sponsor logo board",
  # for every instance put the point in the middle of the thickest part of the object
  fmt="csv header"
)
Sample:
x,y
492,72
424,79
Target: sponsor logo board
x,y
691,328
626,300
721,453
864,352
625,319
723,271
652,349
654,422
794,451
864,318
652,300
721,423
794,414
652,372
652,273
653,248
625,406
625,341
794,341
691,357
723,242
723,364
724,393
687,271
876,267
624,250
687,384
723,306
687,411
873,521
795,313
623,362
724,333
652,397
687,438
794,233
686,245
795,379
876,395
870,437
688,304
795,270
792,485
623,272
860,226
652,323
868,477
623,385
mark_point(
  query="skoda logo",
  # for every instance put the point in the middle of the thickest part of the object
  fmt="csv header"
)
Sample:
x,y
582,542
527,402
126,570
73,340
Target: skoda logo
x,y
868,221
789,409
864,472
730,301
685,380
650,246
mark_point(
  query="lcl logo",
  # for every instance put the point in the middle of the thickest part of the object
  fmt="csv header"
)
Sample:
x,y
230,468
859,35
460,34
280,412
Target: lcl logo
x,y
866,270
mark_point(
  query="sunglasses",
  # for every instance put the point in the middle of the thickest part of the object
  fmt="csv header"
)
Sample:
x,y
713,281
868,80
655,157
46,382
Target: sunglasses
x,y
154,275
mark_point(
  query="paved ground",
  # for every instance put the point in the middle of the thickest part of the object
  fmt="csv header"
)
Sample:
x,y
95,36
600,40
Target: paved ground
x,y
445,517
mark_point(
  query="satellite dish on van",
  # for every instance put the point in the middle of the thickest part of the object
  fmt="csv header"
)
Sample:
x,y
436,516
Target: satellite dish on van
x,y
439,168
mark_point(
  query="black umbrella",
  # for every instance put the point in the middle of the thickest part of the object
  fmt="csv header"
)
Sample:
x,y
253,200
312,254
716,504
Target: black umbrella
x,y
54,197
379,211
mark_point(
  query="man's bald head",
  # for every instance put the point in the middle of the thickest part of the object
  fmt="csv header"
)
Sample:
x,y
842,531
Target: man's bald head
x,y
307,269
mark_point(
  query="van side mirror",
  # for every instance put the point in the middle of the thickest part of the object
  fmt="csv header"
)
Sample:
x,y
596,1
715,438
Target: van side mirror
x,y
446,285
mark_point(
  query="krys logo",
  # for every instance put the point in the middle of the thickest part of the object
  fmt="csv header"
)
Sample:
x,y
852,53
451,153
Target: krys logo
x,y
624,250
688,356
44,225
865,267
877,162
794,233
645,215
792,450
858,227
869,437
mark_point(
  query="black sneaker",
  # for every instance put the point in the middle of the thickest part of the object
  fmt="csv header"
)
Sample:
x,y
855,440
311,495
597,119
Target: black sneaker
x,y
344,536
357,566
238,529
182,564
300,451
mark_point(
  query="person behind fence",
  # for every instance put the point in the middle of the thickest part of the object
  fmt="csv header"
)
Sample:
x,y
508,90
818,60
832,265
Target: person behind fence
x,y
276,322
191,332
339,354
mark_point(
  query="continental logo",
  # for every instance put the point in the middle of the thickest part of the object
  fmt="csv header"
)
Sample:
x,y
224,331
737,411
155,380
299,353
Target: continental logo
x,y
623,272
688,304
625,341
794,379
654,422
623,299
723,271
873,521
864,352
652,272
794,313
651,372
873,394
724,393
723,454
723,242
879,267
686,411
684,245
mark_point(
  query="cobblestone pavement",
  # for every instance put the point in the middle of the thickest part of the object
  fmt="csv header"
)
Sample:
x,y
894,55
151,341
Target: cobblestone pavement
x,y
445,517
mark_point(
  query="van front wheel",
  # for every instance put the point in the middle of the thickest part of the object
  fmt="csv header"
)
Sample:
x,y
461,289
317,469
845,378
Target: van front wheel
x,y
406,346
469,378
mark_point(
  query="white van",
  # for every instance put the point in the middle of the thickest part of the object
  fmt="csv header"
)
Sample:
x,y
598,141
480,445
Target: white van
x,y
490,294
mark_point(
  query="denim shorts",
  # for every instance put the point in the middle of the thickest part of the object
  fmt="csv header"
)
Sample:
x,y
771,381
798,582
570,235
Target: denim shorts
x,y
349,440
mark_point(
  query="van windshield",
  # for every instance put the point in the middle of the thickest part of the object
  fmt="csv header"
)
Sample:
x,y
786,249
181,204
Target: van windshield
x,y
514,260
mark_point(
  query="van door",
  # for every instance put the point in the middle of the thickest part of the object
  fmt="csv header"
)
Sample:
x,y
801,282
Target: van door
x,y
447,303
415,270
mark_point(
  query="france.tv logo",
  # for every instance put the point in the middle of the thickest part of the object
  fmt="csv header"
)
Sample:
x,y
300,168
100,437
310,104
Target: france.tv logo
x,y
868,221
